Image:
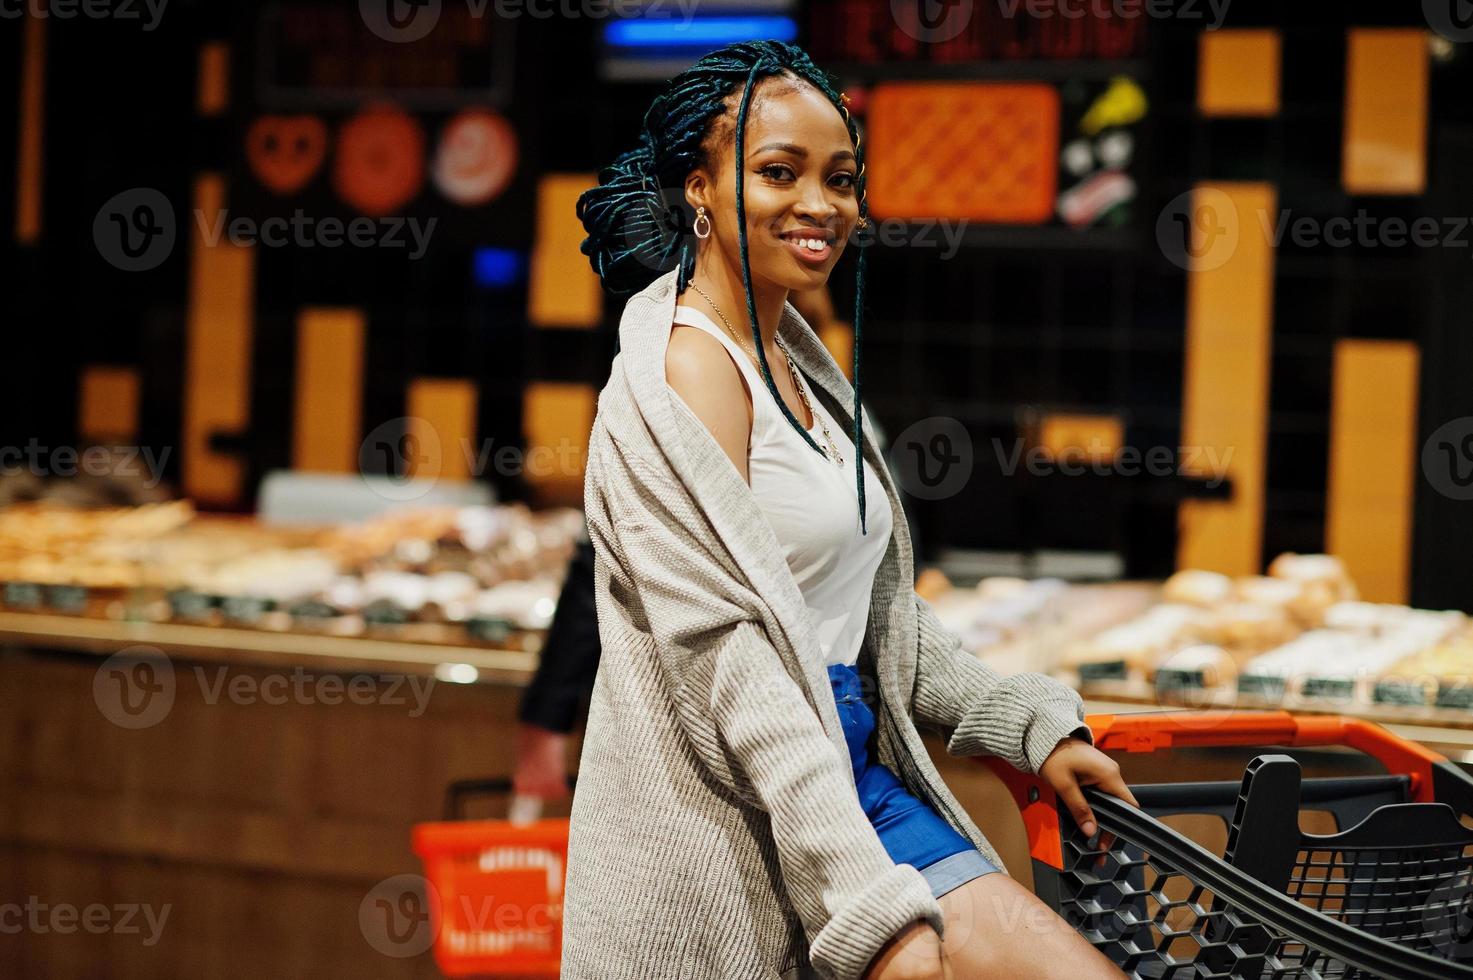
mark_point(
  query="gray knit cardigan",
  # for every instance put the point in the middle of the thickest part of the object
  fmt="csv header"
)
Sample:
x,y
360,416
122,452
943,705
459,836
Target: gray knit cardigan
x,y
716,829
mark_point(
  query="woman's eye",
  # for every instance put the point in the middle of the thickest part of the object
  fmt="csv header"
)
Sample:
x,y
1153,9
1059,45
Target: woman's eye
x,y
845,179
777,171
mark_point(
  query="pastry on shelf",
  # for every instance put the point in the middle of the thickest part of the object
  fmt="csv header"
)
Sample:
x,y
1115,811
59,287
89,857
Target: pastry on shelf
x,y
1200,666
997,610
1249,628
1323,582
1195,587
1132,649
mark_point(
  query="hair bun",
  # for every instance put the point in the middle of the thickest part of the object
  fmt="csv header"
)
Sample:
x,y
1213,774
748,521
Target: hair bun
x,y
634,225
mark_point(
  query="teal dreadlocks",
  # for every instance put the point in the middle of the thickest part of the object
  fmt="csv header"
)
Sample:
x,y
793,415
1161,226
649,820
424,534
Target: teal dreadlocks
x,y
637,219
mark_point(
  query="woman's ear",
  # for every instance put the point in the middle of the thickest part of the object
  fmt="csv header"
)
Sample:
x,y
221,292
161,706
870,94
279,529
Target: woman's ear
x,y
698,191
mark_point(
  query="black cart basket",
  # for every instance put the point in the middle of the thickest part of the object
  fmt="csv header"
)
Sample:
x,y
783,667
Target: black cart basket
x,y
1388,894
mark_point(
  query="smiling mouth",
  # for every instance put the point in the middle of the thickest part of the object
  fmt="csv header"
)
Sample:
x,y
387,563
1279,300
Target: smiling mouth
x,y
809,245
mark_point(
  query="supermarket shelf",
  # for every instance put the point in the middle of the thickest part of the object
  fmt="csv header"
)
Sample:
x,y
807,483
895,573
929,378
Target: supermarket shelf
x,y
262,647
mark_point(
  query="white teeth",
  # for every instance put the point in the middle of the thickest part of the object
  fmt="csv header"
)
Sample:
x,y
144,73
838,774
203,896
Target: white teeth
x,y
813,244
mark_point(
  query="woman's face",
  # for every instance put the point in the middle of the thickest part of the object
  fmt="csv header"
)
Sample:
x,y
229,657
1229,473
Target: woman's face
x,y
800,186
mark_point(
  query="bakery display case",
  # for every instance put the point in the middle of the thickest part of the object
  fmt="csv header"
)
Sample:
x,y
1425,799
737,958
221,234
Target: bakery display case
x,y
478,577
1298,638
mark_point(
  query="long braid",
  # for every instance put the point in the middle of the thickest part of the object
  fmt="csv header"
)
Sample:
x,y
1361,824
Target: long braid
x,y
741,217
637,220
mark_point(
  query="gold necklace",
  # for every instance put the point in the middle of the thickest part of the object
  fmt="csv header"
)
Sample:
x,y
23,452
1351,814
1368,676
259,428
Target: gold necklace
x,y
833,449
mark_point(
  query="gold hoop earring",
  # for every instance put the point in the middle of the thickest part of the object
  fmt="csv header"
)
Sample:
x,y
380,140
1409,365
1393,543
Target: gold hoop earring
x,y
696,226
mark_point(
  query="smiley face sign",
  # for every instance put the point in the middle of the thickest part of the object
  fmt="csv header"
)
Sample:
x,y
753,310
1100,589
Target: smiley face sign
x,y
476,157
379,164
285,152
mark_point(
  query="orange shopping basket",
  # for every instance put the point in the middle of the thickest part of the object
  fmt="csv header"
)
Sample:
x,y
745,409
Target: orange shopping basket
x,y
496,889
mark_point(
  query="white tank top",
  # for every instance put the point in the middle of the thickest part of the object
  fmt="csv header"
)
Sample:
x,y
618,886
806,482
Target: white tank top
x,y
813,507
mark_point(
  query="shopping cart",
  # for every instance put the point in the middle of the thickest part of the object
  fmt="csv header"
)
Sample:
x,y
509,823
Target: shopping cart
x,y
496,887
1388,894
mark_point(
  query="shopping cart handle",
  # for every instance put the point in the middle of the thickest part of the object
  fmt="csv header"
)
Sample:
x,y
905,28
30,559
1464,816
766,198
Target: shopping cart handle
x,y
1151,731
462,790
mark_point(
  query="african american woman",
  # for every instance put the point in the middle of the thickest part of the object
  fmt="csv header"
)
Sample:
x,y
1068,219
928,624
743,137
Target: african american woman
x,y
754,799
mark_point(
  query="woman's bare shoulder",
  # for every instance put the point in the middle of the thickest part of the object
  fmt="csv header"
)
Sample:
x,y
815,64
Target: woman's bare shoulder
x,y
700,370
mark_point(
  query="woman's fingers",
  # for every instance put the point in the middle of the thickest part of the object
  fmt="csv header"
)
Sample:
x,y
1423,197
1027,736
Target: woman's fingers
x,y
1073,798
1115,786
1109,780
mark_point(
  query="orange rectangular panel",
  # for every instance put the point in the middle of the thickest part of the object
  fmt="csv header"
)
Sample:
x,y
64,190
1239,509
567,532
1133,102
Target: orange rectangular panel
x,y
218,338
967,151
28,164
442,428
1226,383
213,96
1373,464
558,418
1385,148
563,292
329,396
1238,72
1079,439
109,403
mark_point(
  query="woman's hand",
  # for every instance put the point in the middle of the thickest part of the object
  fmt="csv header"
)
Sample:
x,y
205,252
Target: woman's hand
x,y
1075,763
913,953
542,767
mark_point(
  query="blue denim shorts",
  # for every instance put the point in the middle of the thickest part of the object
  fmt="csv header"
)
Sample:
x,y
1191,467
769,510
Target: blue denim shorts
x,y
913,833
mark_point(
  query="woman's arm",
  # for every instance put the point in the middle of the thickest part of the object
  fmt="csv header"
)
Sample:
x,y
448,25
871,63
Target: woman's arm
x,y
1018,717
1031,720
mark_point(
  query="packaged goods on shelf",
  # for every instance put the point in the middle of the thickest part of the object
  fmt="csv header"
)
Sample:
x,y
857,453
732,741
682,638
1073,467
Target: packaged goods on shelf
x,y
997,610
484,570
1133,648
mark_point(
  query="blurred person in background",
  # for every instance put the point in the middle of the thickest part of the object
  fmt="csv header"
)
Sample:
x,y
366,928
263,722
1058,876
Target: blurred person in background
x,y
753,795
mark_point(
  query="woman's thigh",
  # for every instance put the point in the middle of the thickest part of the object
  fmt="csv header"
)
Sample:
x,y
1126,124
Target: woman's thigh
x,y
995,926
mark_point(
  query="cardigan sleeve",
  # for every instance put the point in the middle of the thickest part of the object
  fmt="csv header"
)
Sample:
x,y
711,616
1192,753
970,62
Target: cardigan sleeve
x,y
746,718
1018,717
